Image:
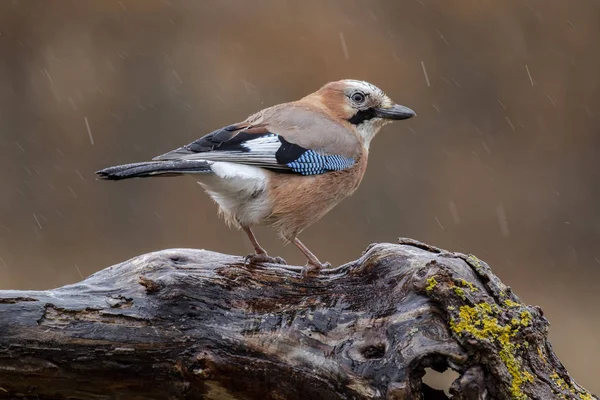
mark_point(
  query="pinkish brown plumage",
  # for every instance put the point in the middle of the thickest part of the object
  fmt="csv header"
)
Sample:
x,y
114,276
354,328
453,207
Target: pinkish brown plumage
x,y
300,201
285,166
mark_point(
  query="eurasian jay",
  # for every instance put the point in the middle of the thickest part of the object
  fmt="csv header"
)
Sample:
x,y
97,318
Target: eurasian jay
x,y
285,166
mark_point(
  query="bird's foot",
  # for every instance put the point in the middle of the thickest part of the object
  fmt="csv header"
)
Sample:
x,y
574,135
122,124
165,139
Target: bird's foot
x,y
312,268
258,258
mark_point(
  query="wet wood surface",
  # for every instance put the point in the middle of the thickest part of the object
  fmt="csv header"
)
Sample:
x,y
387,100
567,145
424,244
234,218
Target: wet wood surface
x,y
194,324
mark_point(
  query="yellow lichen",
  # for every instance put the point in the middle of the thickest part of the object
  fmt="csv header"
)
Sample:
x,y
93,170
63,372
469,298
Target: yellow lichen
x,y
519,375
526,318
431,284
511,303
480,321
476,262
564,386
487,307
459,292
560,382
541,354
469,285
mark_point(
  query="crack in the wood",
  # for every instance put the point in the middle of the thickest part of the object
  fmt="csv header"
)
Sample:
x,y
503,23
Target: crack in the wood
x,y
58,317
14,300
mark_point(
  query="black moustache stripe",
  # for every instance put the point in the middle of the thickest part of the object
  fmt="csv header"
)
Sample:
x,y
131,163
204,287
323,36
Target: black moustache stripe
x,y
362,116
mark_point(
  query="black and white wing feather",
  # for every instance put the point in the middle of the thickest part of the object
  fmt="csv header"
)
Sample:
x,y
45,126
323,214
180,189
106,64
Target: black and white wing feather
x,y
256,145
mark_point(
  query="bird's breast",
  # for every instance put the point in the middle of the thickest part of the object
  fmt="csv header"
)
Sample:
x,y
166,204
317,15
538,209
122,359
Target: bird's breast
x,y
299,201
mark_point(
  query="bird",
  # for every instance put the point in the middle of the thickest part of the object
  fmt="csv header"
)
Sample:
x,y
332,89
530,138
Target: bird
x,y
285,166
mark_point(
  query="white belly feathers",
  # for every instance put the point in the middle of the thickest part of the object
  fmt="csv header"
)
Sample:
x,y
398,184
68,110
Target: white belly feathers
x,y
240,191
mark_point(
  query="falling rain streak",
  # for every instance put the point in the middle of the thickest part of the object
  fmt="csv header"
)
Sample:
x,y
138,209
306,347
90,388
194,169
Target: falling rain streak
x,y
87,125
454,212
425,73
37,221
502,221
509,123
529,74
344,46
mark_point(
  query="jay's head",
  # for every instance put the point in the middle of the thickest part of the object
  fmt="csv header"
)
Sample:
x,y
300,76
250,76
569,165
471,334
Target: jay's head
x,y
362,104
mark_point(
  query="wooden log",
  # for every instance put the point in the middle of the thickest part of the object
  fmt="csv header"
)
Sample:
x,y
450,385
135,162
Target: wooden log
x,y
193,324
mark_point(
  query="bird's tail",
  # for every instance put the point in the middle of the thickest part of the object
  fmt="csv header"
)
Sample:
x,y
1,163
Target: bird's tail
x,y
155,168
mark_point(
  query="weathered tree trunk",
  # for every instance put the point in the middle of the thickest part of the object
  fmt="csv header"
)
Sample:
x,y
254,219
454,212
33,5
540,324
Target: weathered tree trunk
x,y
195,324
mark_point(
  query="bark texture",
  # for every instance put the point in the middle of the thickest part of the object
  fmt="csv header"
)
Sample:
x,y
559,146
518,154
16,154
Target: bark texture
x,y
193,324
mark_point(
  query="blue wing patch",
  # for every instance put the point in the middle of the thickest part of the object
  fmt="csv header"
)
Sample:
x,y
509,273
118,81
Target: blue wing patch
x,y
313,163
263,149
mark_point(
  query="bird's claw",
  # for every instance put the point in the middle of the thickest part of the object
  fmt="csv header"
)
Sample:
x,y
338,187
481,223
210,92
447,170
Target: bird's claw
x,y
314,268
262,258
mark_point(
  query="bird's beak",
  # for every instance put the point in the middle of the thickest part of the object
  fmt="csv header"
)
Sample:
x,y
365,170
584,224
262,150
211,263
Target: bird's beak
x,y
394,112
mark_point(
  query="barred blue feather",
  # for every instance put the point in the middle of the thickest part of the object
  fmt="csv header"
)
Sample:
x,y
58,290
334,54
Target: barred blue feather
x,y
267,150
313,163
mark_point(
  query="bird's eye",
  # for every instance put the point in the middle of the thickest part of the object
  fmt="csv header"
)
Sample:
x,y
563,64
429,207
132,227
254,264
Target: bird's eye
x,y
358,97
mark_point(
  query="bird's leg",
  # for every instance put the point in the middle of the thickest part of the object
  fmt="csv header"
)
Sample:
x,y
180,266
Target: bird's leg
x,y
313,262
257,247
260,255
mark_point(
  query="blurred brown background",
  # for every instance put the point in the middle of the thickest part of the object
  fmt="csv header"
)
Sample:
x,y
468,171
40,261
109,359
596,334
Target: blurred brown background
x,y
502,160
